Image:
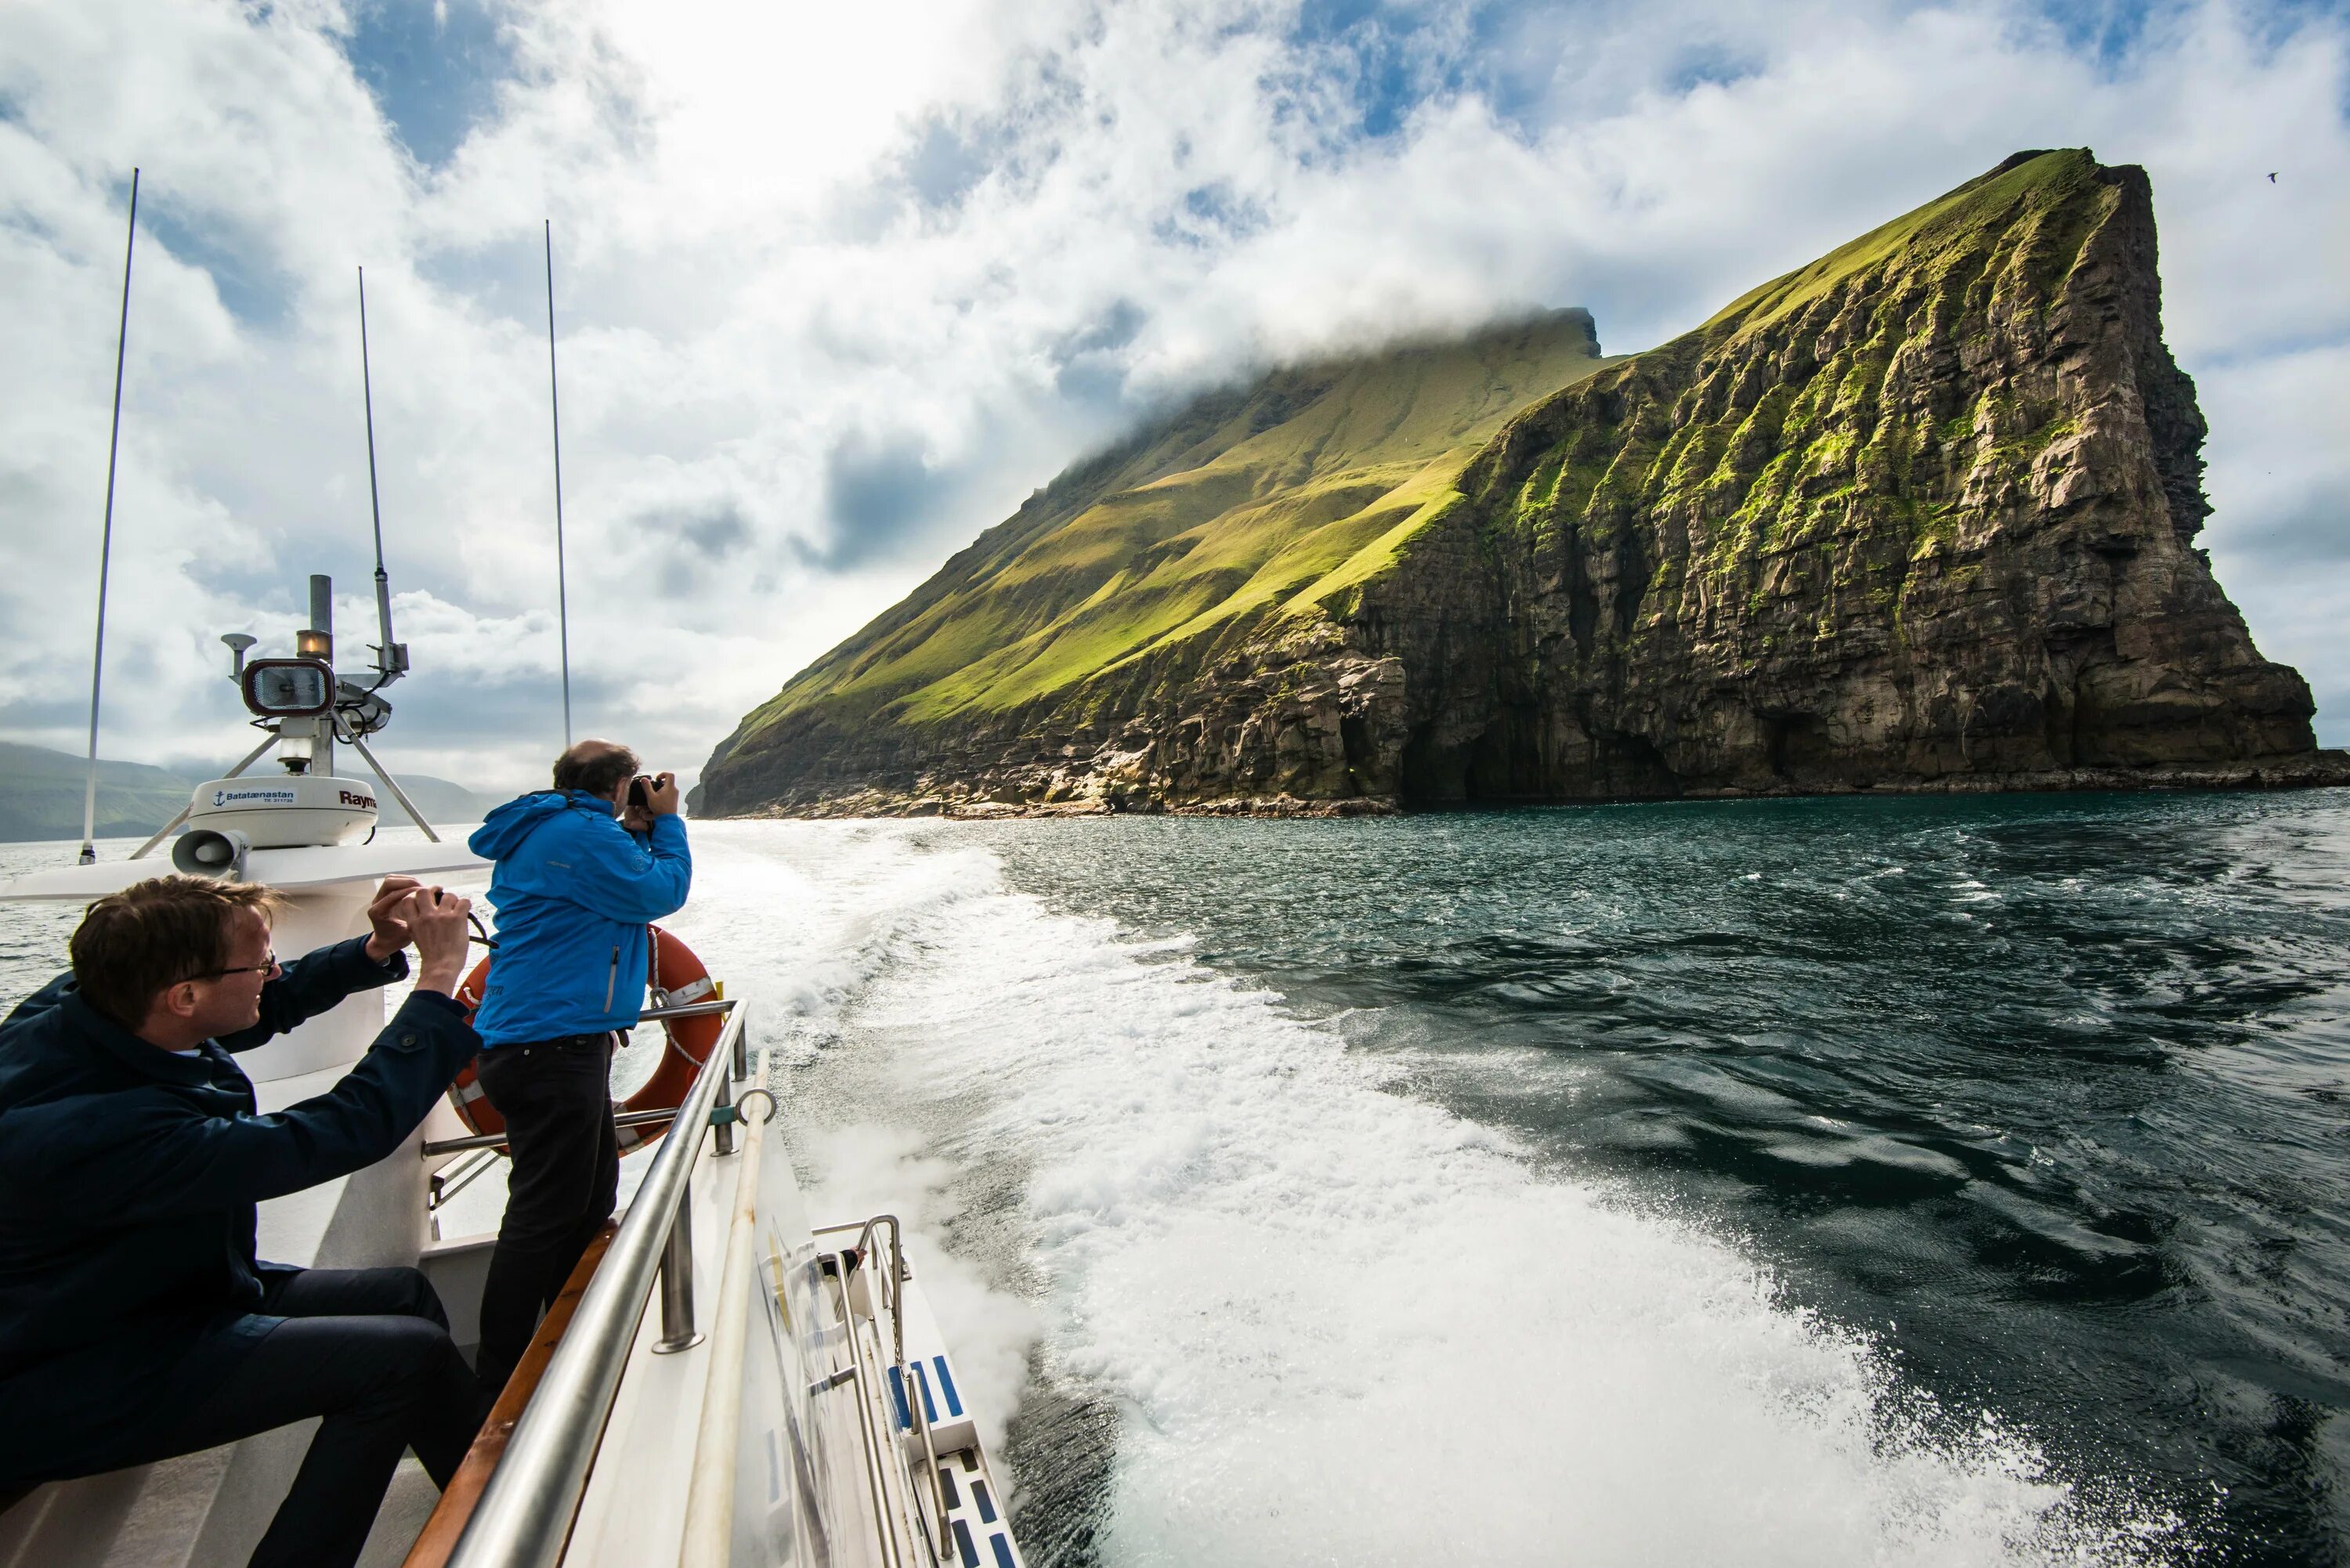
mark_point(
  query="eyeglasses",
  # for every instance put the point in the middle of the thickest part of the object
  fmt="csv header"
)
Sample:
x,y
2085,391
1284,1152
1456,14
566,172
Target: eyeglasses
x,y
267,967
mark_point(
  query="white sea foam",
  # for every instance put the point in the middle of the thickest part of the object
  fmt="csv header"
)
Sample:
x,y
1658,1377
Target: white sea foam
x,y
1340,1324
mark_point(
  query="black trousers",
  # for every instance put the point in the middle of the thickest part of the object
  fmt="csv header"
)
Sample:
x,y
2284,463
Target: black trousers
x,y
369,1349
556,1098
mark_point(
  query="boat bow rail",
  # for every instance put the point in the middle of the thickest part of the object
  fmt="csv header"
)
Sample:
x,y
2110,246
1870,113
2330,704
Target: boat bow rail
x,y
532,1502
525,1515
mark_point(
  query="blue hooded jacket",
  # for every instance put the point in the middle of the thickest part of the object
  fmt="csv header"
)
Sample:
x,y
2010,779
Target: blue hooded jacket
x,y
573,890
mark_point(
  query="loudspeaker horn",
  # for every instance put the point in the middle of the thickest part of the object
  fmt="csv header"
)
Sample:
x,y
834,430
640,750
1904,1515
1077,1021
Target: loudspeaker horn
x,y
211,852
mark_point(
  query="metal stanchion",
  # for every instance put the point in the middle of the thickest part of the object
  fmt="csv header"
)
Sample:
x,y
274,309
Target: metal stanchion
x,y
677,1332
723,1118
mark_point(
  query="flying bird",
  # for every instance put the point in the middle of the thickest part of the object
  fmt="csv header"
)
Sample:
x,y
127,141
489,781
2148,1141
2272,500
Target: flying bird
x,y
2272,179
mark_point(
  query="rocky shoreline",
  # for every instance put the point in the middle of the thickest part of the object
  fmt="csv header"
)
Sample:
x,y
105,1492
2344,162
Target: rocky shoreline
x,y
2316,770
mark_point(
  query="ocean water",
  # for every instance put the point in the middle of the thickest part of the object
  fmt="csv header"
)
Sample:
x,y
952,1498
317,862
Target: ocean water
x,y
1824,1182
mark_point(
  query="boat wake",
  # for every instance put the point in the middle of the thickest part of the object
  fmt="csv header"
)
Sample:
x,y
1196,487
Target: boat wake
x,y
1326,1320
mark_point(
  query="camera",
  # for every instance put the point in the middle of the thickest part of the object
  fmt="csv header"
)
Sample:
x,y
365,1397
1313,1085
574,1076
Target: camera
x,y
640,793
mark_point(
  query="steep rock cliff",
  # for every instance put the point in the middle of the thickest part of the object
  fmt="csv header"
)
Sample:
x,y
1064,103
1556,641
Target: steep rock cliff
x,y
1105,596
1922,512
1919,515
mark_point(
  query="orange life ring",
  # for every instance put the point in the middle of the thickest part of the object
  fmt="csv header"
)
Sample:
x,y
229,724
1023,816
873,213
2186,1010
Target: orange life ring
x,y
678,978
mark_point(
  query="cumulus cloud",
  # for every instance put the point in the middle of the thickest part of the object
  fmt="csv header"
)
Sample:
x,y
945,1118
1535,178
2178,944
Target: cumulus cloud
x,y
835,289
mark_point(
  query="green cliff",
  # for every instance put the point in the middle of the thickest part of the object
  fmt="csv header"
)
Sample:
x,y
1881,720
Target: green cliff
x,y
1917,515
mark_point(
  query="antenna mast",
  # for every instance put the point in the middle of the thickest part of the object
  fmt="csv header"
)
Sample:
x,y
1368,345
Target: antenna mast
x,y
391,658
555,414
106,539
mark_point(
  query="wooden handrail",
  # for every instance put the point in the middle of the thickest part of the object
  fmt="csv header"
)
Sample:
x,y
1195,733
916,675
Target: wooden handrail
x,y
464,1489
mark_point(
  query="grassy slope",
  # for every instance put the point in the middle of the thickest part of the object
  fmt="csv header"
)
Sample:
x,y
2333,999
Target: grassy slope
x,y
1923,233
1244,502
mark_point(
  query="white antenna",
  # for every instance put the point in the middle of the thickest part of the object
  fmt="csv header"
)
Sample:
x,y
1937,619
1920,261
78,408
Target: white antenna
x,y
555,412
106,540
391,658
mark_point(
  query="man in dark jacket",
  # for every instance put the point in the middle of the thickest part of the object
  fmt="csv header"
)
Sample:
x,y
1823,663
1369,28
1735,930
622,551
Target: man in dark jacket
x,y
579,874
135,1321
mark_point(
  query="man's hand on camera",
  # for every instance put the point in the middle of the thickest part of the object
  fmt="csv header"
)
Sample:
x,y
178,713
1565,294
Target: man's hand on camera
x,y
437,921
662,796
391,932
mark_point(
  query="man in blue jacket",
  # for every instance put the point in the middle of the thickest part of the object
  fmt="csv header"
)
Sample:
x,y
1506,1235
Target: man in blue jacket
x,y
574,889
135,1321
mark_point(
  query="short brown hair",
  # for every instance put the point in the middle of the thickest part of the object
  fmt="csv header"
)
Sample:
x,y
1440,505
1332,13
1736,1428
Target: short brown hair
x,y
595,766
133,945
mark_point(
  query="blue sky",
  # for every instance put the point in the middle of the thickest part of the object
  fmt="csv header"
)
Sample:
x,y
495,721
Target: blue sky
x,y
433,70
838,287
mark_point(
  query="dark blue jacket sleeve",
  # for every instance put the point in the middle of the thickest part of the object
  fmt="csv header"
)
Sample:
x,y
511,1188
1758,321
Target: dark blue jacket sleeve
x,y
143,1157
313,983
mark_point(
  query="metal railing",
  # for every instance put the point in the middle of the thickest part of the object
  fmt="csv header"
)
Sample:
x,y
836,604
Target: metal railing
x,y
688,1010
525,1516
887,1285
439,1147
872,1442
435,1147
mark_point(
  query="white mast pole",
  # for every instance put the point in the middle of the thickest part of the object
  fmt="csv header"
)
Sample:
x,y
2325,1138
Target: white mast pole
x,y
106,539
555,414
388,661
